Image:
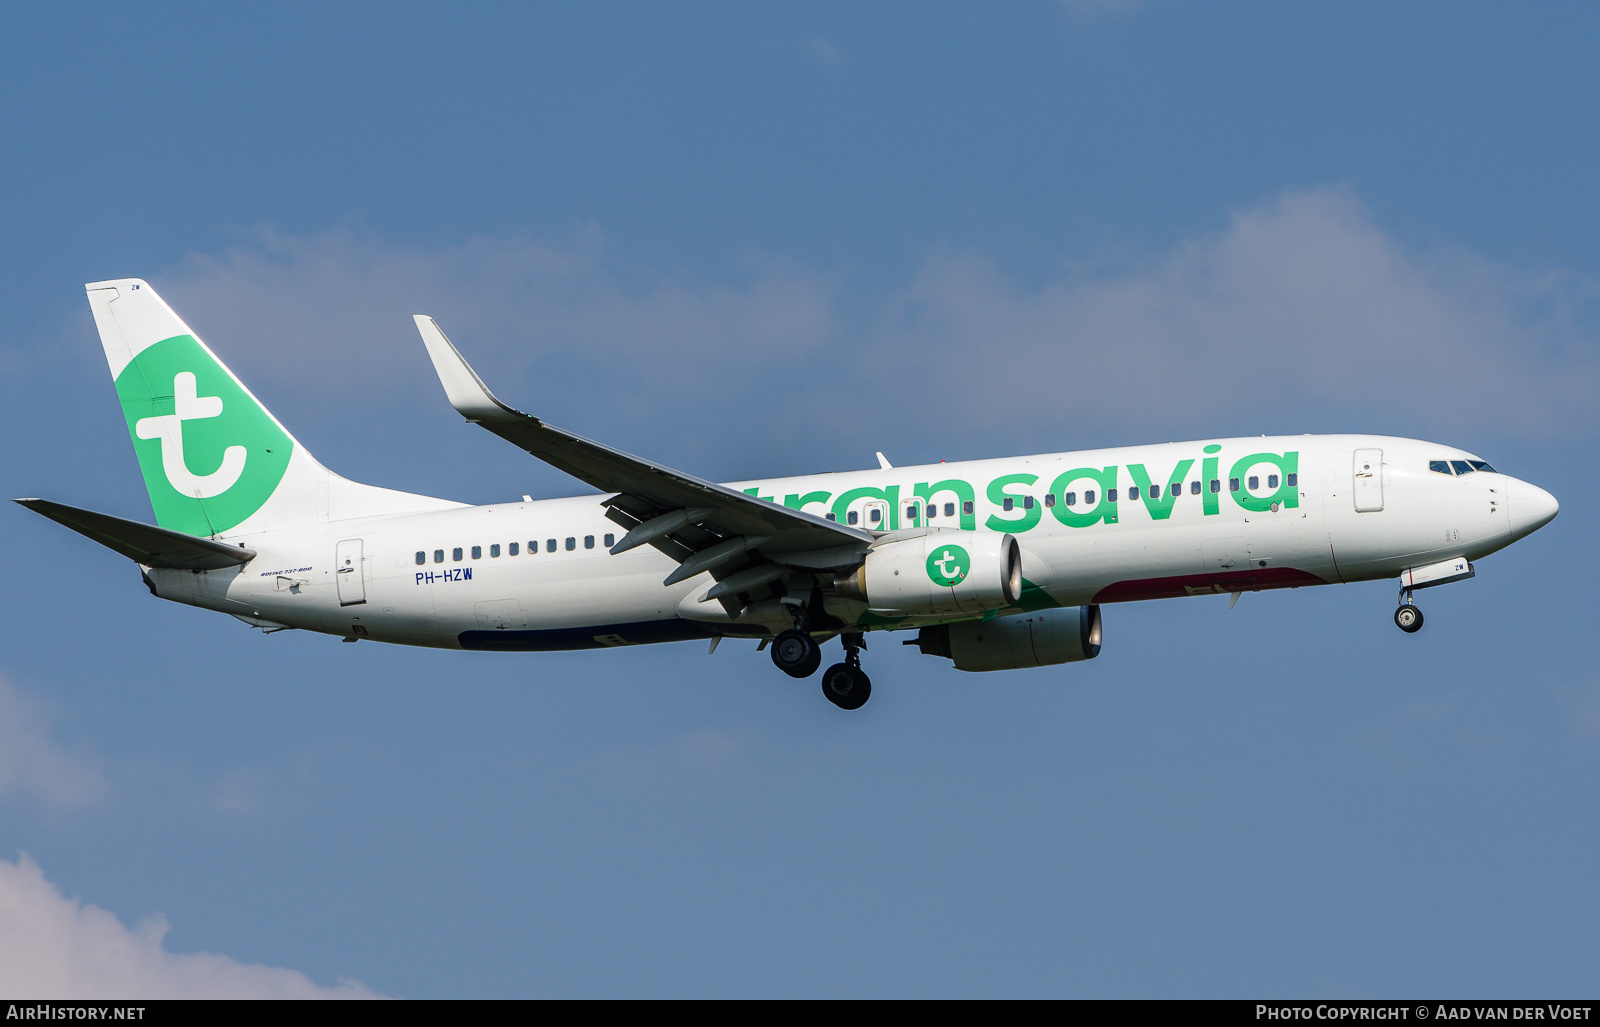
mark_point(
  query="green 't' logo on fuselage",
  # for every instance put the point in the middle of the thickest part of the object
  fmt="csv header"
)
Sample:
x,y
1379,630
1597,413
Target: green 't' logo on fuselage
x,y
948,565
209,454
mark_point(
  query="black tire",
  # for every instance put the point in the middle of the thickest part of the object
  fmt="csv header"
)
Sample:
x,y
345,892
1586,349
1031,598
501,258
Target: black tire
x,y
1408,619
846,687
796,654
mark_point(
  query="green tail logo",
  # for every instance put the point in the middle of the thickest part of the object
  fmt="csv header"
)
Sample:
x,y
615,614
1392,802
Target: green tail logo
x,y
210,455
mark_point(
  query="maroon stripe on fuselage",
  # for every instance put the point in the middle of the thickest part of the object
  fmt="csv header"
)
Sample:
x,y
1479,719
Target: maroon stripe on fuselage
x,y
1205,584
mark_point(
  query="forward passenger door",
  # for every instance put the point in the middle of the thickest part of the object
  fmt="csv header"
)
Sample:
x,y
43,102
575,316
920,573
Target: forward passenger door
x,y
1368,472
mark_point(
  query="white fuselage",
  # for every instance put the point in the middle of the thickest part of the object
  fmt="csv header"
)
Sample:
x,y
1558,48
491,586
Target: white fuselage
x,y
433,578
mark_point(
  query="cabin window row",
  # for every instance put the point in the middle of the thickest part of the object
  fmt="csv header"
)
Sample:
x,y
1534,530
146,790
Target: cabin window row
x,y
551,545
875,514
915,510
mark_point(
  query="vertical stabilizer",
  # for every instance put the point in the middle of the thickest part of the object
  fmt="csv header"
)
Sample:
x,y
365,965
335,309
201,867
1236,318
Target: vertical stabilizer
x,y
215,461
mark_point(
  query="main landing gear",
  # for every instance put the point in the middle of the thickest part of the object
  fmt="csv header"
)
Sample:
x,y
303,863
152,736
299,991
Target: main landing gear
x,y
845,684
1407,618
796,653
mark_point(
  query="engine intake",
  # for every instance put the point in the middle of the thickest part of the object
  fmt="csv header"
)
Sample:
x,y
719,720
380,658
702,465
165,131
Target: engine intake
x,y
1038,639
939,572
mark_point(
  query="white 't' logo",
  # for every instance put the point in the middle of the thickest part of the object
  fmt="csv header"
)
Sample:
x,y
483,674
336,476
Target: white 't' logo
x,y
187,406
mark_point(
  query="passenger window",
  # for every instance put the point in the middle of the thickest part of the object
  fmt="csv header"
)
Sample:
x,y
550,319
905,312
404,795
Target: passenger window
x,y
1272,481
1049,499
1194,488
1482,466
831,517
949,509
1254,482
875,515
438,556
455,554
1111,495
1155,492
911,513
966,508
1133,493
1292,481
1071,498
549,545
1027,502
512,549
611,540
422,558
494,550
1233,485
1461,466
572,543
588,541
1439,466
852,517
1216,484
1088,497
477,552
1007,505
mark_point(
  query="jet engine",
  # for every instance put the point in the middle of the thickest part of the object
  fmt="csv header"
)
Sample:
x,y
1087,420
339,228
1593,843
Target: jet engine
x,y
938,572
1036,639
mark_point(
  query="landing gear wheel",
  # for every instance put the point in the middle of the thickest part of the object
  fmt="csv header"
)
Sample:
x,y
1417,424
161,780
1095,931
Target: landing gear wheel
x,y
1408,619
846,687
796,654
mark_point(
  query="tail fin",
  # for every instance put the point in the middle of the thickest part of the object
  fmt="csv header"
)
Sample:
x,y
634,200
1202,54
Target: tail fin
x,y
215,461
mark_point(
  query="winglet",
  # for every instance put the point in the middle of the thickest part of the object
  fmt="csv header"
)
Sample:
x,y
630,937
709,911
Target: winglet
x,y
465,390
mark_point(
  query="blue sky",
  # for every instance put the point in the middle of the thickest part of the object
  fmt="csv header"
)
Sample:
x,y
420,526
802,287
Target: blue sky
x,y
750,240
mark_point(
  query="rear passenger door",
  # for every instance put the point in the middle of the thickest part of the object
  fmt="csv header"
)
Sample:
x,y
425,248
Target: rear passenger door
x,y
350,573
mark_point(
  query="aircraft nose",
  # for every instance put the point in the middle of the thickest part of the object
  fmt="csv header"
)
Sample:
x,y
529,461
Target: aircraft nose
x,y
1530,507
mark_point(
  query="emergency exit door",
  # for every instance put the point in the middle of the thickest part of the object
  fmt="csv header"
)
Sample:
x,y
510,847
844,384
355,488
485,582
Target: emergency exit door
x,y
1368,480
349,573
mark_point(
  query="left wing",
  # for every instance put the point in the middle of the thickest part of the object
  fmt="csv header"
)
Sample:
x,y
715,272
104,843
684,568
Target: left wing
x,y
702,525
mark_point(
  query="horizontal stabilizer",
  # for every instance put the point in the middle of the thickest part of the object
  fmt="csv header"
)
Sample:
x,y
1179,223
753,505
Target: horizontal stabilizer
x,y
144,543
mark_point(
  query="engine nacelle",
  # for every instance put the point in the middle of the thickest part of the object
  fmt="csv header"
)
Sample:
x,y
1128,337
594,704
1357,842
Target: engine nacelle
x,y
1037,639
939,572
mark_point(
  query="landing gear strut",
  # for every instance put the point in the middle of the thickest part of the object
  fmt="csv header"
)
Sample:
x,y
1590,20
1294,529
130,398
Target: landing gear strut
x,y
845,684
1407,618
795,652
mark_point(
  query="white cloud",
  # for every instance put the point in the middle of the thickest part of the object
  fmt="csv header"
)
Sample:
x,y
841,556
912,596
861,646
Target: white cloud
x,y
1300,315
1300,306
708,751
510,304
825,50
33,762
53,947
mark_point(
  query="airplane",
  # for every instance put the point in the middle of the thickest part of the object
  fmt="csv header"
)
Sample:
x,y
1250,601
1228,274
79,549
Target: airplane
x,y
994,564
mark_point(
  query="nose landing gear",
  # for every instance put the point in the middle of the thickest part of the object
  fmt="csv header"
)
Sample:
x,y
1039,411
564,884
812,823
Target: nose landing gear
x,y
845,684
1407,617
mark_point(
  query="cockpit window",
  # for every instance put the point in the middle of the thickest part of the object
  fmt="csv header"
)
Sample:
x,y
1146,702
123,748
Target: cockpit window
x,y
1439,466
1483,465
1461,466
